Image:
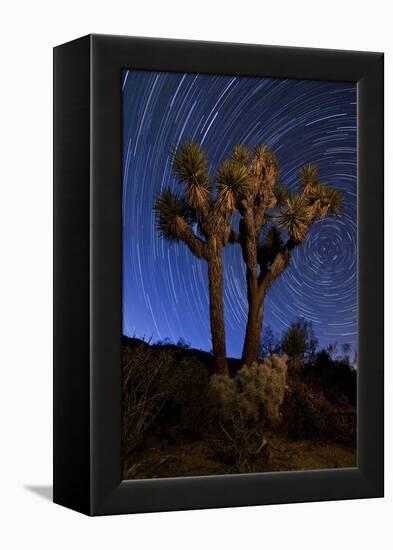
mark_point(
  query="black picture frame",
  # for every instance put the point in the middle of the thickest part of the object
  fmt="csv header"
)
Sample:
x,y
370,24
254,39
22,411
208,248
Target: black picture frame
x,y
87,275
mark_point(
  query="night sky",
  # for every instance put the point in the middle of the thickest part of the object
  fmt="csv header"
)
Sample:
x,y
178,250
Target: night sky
x,y
165,288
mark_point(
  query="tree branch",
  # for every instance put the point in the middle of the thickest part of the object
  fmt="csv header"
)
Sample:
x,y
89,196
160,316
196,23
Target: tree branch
x,y
194,243
233,236
259,217
278,265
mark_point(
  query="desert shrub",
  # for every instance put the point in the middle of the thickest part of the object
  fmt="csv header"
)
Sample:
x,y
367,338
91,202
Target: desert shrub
x,y
272,386
257,391
336,378
163,392
308,414
236,429
244,405
343,420
183,344
187,410
304,411
147,385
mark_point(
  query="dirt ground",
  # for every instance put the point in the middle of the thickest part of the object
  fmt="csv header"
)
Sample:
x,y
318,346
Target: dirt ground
x,y
163,459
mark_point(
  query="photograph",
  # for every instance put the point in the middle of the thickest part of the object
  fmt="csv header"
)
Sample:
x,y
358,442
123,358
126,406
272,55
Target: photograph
x,y
239,274
196,234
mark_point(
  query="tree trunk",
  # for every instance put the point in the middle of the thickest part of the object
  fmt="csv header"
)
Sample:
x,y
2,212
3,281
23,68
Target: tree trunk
x,y
217,326
256,292
255,302
253,330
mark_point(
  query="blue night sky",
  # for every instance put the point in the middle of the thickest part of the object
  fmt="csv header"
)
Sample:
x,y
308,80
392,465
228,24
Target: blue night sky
x,y
165,289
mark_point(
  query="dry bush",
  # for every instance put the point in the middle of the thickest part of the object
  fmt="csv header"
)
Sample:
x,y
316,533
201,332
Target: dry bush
x,y
244,405
147,385
307,414
187,410
305,411
163,392
266,383
257,391
336,378
343,420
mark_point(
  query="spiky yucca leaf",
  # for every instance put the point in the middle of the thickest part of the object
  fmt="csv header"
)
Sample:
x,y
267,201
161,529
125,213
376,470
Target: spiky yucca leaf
x,y
191,167
263,154
333,200
281,193
325,200
190,162
171,215
295,216
232,184
308,177
264,170
241,154
316,197
308,172
317,193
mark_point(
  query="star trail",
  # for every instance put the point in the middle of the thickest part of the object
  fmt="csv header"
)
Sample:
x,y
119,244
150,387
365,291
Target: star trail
x,y
165,288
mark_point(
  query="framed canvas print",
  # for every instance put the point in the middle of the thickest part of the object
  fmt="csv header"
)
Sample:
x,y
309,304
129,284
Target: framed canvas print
x,y
218,275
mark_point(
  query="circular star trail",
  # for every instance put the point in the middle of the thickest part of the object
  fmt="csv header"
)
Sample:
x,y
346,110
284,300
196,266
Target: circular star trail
x,y
165,290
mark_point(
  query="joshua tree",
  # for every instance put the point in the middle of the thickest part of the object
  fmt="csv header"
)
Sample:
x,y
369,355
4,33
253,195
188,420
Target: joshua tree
x,y
273,221
208,209
283,228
